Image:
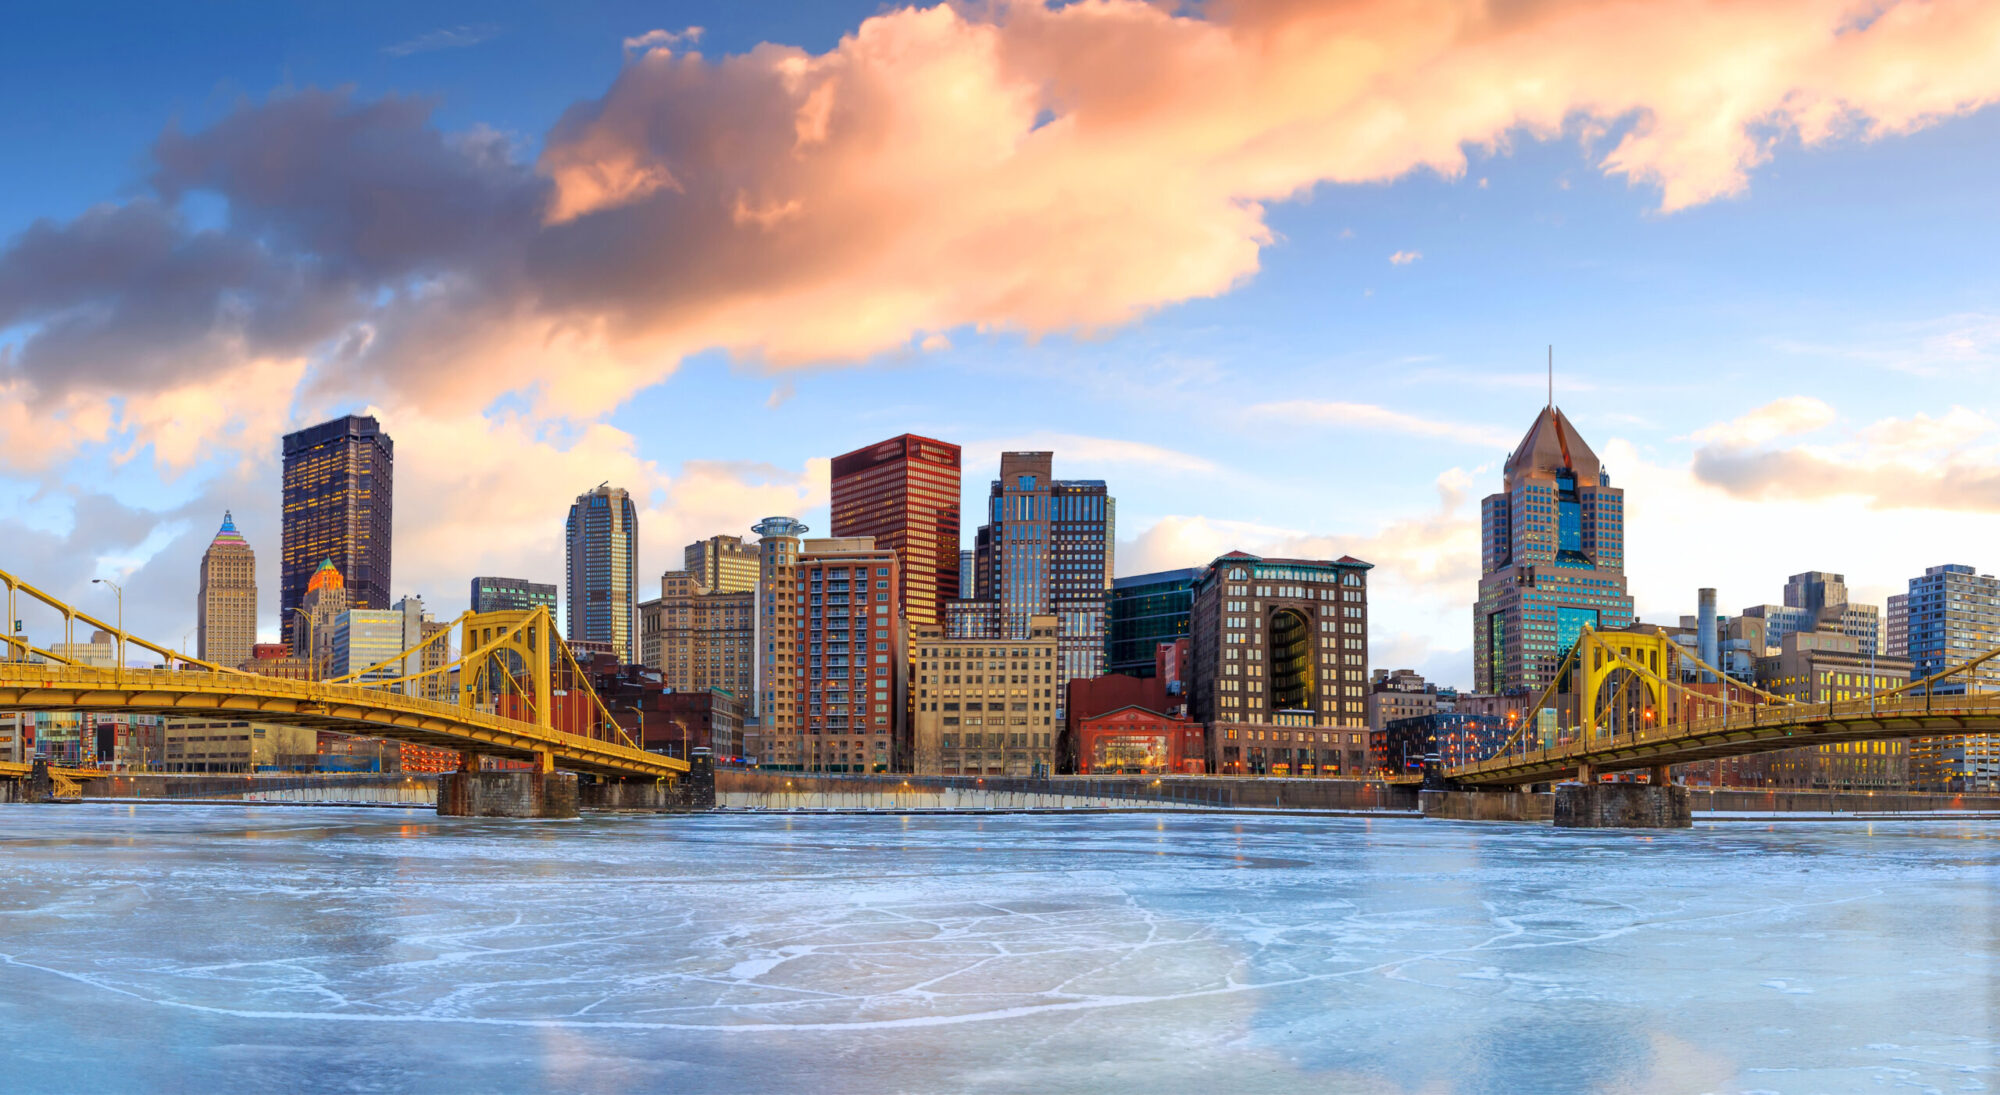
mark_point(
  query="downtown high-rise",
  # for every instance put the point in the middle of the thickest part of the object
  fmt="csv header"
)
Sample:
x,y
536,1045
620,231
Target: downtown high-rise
x,y
339,479
601,561
904,492
226,614
1552,559
1047,549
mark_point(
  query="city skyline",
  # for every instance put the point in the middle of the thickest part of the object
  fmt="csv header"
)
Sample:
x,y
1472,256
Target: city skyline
x,y
1736,364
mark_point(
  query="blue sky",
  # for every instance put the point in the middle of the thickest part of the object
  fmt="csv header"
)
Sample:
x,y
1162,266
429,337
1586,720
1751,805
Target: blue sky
x,y
1792,375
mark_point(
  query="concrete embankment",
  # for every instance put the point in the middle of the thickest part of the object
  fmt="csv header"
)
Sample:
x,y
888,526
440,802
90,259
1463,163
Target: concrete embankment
x,y
769,790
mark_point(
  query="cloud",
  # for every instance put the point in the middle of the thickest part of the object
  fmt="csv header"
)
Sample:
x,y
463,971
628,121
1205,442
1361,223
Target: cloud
x,y
459,37
1077,456
1368,416
1404,258
654,39
1018,167
1947,463
1788,417
938,172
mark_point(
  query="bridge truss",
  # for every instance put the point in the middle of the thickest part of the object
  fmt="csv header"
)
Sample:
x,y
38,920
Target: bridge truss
x,y
515,692
1625,700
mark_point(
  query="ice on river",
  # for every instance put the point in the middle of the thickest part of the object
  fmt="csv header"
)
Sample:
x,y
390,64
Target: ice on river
x,y
288,949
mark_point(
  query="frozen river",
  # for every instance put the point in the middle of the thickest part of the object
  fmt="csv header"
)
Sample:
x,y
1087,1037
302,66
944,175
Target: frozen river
x,y
192,949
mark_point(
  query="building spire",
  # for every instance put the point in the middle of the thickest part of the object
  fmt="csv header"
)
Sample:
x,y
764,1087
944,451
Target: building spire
x,y
1552,376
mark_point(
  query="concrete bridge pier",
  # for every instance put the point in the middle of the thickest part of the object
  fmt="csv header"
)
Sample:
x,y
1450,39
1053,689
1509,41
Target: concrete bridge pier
x,y
1590,804
538,793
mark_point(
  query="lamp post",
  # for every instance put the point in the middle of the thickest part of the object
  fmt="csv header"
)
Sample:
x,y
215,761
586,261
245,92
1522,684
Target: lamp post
x,y
118,665
642,723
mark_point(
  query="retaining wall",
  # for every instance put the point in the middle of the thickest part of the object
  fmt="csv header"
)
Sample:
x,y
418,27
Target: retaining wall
x,y
772,790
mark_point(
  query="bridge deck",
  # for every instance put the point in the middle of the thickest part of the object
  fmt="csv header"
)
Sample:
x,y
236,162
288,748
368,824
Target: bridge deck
x,y
1747,731
346,708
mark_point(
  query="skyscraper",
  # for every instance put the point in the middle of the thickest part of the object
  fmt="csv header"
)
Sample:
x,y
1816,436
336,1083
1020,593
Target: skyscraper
x,y
1552,559
601,556
226,615
904,492
1047,549
722,564
338,494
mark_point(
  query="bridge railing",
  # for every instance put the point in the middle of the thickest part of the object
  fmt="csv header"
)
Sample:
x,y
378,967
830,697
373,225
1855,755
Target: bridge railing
x,y
1573,747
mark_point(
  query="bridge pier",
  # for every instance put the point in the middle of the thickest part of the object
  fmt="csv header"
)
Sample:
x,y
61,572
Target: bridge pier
x,y
1596,805
533,794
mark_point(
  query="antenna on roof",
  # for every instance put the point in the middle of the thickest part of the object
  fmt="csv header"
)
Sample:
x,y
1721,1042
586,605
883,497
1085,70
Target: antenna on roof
x,y
1552,376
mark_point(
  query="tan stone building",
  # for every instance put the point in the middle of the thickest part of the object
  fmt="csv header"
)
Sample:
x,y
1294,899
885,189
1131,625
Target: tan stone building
x,y
226,614
775,648
985,706
723,564
236,745
697,638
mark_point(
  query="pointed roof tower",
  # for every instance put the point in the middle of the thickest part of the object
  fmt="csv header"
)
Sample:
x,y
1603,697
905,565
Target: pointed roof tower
x,y
228,534
1551,445
328,578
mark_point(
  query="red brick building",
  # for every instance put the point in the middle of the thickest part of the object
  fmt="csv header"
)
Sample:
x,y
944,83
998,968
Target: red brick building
x,y
1135,740
1134,725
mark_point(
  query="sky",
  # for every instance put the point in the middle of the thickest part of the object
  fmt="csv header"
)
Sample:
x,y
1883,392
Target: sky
x,y
1285,274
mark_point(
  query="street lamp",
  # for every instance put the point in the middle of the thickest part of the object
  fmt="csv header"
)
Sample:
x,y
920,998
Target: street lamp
x,y
642,723
118,667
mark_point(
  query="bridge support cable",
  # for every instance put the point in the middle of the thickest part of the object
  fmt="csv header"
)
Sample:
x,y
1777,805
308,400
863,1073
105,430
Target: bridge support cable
x,y
71,614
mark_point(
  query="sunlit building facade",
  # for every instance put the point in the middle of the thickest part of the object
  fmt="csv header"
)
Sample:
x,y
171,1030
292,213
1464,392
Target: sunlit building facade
x,y
226,608
904,492
984,707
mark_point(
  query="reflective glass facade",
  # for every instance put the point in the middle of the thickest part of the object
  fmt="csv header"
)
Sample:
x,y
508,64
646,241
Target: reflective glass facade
x,y
1146,610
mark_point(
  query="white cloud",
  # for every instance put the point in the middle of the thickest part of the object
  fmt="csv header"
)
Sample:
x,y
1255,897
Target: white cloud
x,y
1077,455
657,38
1404,258
1368,416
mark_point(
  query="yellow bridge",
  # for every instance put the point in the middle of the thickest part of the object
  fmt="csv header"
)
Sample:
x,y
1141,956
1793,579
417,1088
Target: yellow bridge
x,y
499,698
1623,685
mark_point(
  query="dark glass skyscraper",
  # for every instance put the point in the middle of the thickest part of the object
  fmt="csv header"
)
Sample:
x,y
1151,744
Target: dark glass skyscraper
x,y
1146,610
338,480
